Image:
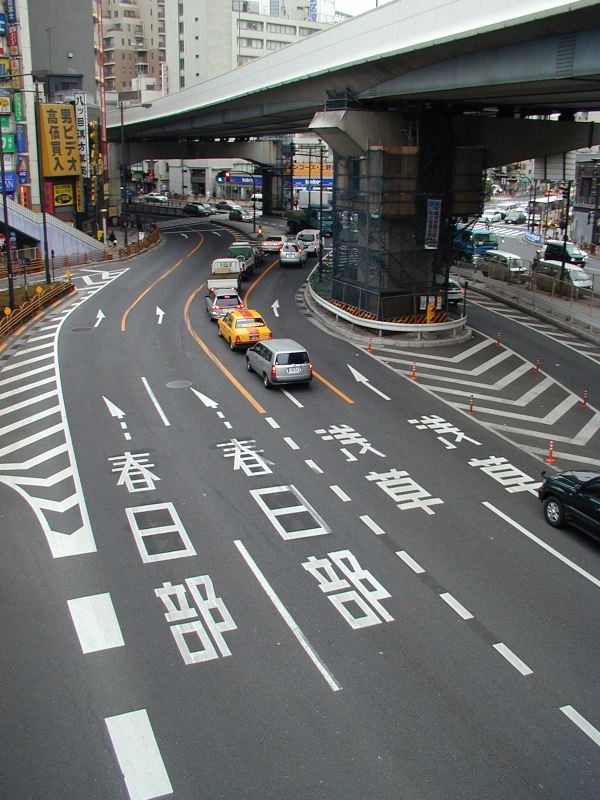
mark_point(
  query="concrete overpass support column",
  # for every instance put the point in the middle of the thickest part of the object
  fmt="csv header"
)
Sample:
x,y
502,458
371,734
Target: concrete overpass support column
x,y
397,182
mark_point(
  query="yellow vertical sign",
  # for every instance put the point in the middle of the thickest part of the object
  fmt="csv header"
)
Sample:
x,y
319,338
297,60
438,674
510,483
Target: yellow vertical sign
x,y
78,196
60,150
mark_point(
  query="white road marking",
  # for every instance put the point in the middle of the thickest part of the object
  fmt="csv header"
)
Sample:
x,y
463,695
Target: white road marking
x,y
138,755
228,425
340,493
543,544
208,402
177,539
409,561
99,317
114,410
161,413
287,618
513,659
582,723
160,314
456,606
275,308
292,398
372,525
315,467
95,622
272,422
302,507
361,379
291,443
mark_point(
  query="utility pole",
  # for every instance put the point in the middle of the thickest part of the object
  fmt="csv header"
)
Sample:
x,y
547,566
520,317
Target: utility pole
x,y
566,235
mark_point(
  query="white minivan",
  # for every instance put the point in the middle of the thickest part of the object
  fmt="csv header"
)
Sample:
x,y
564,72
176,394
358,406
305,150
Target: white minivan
x,y
309,239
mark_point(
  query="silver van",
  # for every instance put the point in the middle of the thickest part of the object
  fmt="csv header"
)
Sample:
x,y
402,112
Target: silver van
x,y
279,361
547,276
504,266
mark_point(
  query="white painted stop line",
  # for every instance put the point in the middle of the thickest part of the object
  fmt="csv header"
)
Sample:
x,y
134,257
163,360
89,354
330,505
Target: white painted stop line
x,y
138,755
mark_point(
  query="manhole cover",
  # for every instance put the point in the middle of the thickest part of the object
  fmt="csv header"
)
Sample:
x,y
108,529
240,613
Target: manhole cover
x,y
179,384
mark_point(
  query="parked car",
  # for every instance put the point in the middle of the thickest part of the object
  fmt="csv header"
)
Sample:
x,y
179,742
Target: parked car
x,y
548,274
573,254
292,255
241,215
515,217
220,301
196,210
243,328
273,244
572,498
156,197
279,361
226,205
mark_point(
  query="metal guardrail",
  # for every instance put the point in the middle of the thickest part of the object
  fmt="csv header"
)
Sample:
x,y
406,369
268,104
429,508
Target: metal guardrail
x,y
12,322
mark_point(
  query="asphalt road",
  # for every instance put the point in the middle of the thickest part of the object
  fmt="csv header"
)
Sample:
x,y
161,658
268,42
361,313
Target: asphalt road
x,y
255,594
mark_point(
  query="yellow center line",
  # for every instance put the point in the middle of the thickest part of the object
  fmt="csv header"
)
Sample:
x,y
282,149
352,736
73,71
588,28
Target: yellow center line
x,y
219,364
333,388
157,281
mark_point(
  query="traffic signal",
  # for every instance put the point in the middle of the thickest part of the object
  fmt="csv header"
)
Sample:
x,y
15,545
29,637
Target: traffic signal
x,y
227,176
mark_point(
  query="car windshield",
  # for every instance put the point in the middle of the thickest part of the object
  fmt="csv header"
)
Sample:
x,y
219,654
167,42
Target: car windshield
x,y
254,322
485,238
292,358
581,277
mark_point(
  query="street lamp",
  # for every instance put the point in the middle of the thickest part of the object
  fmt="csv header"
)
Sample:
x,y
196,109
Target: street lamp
x,y
124,197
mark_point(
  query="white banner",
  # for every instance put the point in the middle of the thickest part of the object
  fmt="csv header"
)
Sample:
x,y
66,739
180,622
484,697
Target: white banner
x,y
432,227
81,120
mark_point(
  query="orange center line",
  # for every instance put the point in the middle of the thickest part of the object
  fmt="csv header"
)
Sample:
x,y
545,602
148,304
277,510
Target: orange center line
x,y
157,281
219,364
333,388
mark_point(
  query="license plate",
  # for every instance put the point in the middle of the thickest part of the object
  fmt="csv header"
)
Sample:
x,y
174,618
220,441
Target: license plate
x,y
254,337
293,370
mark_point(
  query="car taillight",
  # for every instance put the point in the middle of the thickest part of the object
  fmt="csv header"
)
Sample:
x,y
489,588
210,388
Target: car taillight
x,y
309,368
238,340
273,371
270,335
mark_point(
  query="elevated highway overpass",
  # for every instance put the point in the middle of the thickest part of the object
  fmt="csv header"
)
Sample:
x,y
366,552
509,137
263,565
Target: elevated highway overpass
x,y
416,100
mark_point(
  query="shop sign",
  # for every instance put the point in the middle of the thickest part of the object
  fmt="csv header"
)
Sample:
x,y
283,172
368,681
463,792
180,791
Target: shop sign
x,y
18,109
8,142
2,24
10,182
22,169
63,194
81,118
432,225
15,71
78,197
12,36
11,10
21,138
58,134
48,197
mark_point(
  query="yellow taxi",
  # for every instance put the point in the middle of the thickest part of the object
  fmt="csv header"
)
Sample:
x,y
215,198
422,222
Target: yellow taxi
x,y
243,328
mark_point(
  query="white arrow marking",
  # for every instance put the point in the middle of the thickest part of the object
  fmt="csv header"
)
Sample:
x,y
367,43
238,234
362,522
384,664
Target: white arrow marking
x,y
275,308
99,317
216,233
115,411
185,236
361,379
206,400
160,314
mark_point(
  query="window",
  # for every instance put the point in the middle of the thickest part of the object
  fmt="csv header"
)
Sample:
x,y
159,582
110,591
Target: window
x,y
250,25
274,45
254,44
306,31
289,30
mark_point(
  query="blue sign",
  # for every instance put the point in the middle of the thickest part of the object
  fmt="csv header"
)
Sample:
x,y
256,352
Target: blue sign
x,y
22,171
11,10
2,24
10,182
21,137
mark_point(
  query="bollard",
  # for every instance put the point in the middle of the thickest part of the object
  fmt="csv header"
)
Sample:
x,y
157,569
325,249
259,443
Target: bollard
x,y
537,364
585,397
550,459
498,339
471,404
413,374
370,345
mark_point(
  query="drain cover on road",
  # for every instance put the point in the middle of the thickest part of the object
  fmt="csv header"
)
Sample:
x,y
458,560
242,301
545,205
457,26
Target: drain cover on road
x,y
179,384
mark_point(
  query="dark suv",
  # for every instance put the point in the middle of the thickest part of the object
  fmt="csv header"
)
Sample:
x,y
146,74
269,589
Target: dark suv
x,y
196,210
572,497
573,255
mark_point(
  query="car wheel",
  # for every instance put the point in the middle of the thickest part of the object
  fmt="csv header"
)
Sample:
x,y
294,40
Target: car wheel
x,y
219,331
231,345
554,512
248,365
266,382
